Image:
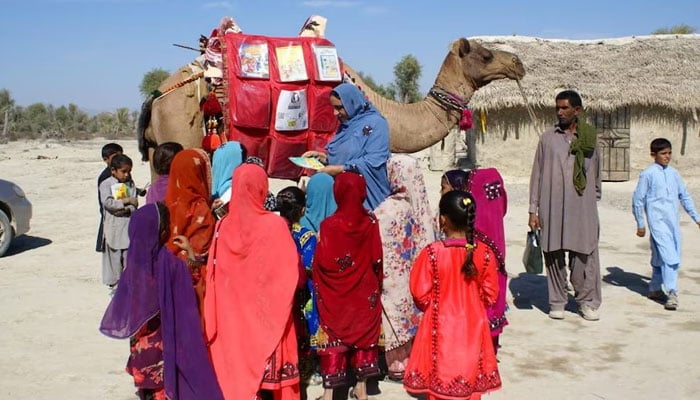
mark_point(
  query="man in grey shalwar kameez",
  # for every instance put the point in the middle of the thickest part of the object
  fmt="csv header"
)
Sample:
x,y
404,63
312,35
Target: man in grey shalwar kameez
x,y
567,214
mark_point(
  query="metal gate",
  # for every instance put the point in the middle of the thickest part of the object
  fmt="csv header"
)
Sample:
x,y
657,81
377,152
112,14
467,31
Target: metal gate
x,y
613,129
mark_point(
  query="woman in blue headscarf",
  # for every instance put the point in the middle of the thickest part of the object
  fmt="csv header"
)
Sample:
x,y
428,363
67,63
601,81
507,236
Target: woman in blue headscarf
x,y
225,159
361,143
320,202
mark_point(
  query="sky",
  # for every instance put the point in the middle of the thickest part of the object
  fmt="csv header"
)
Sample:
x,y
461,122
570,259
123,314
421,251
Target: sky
x,y
94,53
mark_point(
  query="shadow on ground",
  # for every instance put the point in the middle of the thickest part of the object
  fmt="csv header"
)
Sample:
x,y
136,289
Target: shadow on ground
x,y
529,291
634,282
24,243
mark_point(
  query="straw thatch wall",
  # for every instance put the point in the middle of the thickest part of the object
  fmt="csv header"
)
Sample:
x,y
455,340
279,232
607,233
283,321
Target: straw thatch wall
x,y
657,77
661,71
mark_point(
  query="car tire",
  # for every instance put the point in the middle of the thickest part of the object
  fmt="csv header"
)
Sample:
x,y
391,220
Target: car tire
x,y
6,233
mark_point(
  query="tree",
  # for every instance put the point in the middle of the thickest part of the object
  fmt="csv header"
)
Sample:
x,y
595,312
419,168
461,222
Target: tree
x,y
388,91
6,105
122,119
682,29
151,80
407,72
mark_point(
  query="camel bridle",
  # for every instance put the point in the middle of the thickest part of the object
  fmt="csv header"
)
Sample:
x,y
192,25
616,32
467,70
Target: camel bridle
x,y
447,100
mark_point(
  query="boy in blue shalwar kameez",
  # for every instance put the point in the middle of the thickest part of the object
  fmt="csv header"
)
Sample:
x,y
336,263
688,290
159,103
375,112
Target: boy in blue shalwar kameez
x,y
658,192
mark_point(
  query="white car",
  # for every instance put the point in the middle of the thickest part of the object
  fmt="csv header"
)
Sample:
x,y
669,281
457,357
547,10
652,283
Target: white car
x,y
15,214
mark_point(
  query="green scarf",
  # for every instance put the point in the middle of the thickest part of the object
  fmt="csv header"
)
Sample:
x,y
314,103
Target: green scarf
x,y
581,147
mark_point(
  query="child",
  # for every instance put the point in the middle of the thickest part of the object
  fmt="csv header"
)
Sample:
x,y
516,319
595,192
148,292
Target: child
x,y
347,275
488,189
118,197
453,281
226,158
659,188
162,158
108,151
290,204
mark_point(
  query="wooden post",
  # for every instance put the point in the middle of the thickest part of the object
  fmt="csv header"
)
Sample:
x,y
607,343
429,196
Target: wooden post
x,y
685,136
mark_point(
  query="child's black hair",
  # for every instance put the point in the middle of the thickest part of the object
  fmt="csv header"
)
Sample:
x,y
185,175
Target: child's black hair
x,y
120,160
163,156
290,203
110,149
164,214
659,144
460,209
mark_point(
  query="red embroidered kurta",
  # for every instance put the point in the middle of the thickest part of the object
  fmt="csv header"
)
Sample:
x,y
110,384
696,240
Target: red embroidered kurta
x,y
452,355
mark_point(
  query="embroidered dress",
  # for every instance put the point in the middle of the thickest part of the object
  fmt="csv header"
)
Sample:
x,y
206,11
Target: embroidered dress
x,y
452,355
146,360
305,240
304,312
406,227
487,187
347,272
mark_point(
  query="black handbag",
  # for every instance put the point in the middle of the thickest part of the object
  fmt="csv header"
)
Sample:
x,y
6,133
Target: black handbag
x,y
532,257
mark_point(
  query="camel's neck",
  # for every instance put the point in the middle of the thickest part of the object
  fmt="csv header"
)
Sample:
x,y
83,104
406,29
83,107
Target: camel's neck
x,y
427,116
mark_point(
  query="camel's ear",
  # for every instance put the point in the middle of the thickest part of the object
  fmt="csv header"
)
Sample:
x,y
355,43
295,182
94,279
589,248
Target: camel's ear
x,y
461,47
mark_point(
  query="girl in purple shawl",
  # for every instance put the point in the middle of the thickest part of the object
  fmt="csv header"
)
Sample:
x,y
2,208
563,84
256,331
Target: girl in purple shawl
x,y
361,143
155,306
487,188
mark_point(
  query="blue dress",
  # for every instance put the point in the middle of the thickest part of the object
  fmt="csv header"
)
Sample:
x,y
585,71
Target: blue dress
x,y
305,240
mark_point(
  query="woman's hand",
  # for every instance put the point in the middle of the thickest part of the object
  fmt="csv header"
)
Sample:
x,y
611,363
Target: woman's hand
x,y
183,243
216,204
317,155
332,170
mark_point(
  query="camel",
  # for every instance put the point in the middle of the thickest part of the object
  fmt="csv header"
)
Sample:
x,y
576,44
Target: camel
x,y
468,66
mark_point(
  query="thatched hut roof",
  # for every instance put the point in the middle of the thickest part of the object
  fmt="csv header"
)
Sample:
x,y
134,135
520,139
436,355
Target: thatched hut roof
x,y
661,71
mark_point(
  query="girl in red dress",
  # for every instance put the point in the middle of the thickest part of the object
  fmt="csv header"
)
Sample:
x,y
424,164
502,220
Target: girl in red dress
x,y
453,281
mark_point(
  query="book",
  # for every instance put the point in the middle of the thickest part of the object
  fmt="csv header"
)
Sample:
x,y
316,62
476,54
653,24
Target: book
x,y
327,63
292,113
307,162
290,61
254,60
122,190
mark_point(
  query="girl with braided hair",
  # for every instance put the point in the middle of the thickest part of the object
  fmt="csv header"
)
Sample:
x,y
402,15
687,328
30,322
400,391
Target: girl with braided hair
x,y
453,281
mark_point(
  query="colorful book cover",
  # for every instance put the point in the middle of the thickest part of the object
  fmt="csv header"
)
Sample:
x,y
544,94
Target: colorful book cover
x,y
307,162
122,191
327,63
292,112
254,60
290,61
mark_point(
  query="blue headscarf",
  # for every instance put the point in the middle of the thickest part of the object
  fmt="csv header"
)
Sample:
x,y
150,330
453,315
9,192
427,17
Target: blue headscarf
x,y
226,158
320,202
361,143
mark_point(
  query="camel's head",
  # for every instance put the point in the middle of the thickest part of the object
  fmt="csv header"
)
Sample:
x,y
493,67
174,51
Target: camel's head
x,y
470,61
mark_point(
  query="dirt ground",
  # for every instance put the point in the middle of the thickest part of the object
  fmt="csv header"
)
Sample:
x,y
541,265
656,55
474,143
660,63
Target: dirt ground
x,y
52,298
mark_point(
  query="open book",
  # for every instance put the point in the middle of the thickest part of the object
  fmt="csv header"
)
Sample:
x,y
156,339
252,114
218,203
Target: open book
x,y
307,162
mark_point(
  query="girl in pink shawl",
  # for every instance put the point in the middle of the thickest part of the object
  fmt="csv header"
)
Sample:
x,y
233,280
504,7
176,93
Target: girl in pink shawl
x,y
253,270
487,187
